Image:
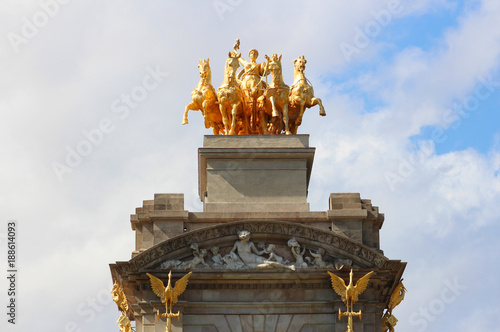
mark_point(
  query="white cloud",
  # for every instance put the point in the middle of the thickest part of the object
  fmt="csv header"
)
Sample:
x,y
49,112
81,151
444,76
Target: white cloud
x,y
65,80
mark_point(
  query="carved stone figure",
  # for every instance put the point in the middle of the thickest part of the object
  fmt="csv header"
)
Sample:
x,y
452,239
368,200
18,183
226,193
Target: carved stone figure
x,y
272,255
199,258
251,256
233,261
246,250
297,253
247,255
318,259
301,95
217,257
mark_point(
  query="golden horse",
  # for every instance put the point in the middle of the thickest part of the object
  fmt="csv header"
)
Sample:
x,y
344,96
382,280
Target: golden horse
x,y
204,98
273,103
301,95
231,99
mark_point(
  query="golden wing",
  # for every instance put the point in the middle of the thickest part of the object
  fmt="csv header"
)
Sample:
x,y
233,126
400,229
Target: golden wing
x,y
361,286
338,285
180,287
397,296
158,287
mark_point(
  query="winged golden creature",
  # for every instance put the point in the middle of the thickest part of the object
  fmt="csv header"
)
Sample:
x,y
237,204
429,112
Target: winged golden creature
x,y
349,294
397,296
388,320
169,295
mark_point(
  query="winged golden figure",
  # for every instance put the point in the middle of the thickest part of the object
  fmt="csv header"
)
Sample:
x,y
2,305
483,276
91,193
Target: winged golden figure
x,y
389,320
169,295
349,294
397,296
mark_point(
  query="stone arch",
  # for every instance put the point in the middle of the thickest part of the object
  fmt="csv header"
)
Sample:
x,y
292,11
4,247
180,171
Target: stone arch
x,y
224,235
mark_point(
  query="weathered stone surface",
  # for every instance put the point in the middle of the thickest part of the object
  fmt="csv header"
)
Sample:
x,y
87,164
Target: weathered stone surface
x,y
257,184
255,173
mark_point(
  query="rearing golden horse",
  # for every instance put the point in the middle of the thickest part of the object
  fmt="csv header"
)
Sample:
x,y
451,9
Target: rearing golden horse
x,y
231,99
204,98
274,102
301,95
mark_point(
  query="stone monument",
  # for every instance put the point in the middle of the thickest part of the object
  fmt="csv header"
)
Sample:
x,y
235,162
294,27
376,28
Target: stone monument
x,y
259,257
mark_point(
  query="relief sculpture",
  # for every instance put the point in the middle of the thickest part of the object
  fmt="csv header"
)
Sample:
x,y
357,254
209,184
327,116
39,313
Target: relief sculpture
x,y
244,254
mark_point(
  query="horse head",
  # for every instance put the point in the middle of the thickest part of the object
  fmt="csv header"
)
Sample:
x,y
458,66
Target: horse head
x,y
299,64
231,66
274,64
205,71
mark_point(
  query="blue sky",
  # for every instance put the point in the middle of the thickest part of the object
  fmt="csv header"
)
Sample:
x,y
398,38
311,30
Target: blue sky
x,y
390,74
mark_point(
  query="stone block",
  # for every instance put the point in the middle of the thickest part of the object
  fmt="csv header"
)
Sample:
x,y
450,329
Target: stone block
x,y
169,202
250,173
258,323
283,323
164,230
234,323
246,323
271,322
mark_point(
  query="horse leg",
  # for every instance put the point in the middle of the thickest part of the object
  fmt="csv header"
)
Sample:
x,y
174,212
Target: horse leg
x,y
302,108
263,122
205,115
225,119
234,112
215,128
317,101
190,106
275,116
285,118
233,121
273,104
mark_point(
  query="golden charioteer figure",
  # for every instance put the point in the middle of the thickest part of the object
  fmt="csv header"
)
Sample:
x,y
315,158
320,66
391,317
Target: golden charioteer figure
x,y
245,104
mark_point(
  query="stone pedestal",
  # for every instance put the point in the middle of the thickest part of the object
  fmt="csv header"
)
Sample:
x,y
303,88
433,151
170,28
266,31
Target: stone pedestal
x,y
255,173
258,184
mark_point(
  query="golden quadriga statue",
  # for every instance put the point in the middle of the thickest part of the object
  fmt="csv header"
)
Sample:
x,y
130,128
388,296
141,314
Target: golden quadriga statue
x,y
245,104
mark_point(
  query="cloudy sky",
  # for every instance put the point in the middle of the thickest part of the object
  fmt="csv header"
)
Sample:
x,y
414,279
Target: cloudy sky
x,y
91,101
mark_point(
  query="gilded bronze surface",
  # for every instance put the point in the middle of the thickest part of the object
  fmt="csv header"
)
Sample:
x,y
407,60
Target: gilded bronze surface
x,y
245,104
121,301
389,320
169,295
349,295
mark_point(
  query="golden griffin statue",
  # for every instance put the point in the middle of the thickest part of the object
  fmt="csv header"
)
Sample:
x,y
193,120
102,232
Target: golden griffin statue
x,y
389,320
169,295
245,104
349,295
121,301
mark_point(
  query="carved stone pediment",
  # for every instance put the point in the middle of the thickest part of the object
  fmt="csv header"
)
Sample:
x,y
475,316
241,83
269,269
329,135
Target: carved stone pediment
x,y
183,248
